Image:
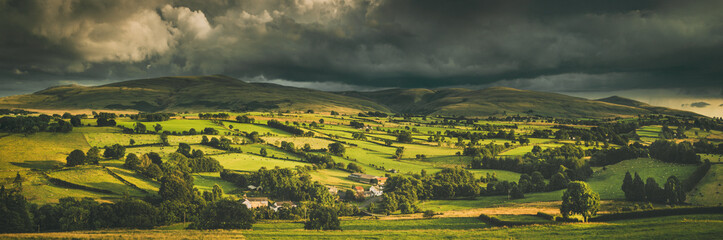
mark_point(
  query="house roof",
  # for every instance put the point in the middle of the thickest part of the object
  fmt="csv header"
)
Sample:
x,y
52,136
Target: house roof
x,y
257,199
281,203
358,188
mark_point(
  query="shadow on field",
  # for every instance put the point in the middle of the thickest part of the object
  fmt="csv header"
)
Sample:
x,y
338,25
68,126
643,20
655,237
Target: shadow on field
x,y
41,165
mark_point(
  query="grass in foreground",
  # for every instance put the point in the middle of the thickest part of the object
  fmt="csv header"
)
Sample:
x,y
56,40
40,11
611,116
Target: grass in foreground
x,y
674,227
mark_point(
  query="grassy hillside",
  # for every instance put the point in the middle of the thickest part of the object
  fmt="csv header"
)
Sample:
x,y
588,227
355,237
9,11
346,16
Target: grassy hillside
x,y
633,103
222,93
500,101
197,93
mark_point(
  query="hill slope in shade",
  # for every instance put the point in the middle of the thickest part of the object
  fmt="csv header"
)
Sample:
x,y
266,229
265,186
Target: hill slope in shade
x,y
638,104
503,100
194,93
222,93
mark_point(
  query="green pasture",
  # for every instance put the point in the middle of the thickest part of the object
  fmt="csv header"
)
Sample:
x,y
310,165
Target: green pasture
x,y
38,151
95,177
205,181
708,191
249,162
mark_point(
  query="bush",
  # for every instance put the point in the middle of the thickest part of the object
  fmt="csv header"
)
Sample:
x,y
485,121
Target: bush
x,y
428,214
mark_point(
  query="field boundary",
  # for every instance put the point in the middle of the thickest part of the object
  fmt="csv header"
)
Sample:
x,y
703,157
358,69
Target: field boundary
x,y
126,182
67,184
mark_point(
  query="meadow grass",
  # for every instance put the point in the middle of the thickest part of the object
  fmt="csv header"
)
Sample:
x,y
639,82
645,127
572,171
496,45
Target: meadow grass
x,y
334,177
299,142
95,177
673,227
37,189
249,162
607,182
137,179
102,139
205,181
40,150
708,191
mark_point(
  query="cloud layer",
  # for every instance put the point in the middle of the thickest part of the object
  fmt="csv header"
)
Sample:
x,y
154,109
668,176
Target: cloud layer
x,y
545,45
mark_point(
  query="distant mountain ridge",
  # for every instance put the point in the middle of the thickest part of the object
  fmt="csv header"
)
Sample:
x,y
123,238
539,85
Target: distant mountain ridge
x,y
222,93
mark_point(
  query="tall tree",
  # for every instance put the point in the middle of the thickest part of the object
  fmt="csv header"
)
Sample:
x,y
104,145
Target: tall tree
x,y
628,186
638,189
579,199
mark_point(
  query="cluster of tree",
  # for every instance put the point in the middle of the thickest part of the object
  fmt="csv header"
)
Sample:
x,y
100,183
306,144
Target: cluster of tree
x,y
703,146
245,119
115,151
635,190
5,111
487,150
152,117
494,127
213,116
667,133
104,119
606,133
674,152
566,159
615,155
290,129
72,214
194,159
223,143
404,137
356,124
30,125
78,157
323,218
446,184
359,136
537,133
282,183
373,114
337,148
224,214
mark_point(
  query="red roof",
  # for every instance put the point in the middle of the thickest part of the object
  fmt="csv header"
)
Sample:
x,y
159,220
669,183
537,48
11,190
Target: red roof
x,y
358,188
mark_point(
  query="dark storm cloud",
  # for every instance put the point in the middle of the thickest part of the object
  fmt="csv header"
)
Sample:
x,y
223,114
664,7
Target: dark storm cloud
x,y
545,45
700,104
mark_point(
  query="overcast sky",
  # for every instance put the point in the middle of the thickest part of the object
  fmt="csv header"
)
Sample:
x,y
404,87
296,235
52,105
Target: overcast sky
x,y
664,50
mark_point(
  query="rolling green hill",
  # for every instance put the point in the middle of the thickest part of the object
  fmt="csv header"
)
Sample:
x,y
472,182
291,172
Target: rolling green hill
x,y
633,103
222,93
192,93
502,100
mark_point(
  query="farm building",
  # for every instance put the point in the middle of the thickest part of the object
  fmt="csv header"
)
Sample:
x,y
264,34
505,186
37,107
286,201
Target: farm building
x,y
333,190
366,178
281,204
255,202
375,191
